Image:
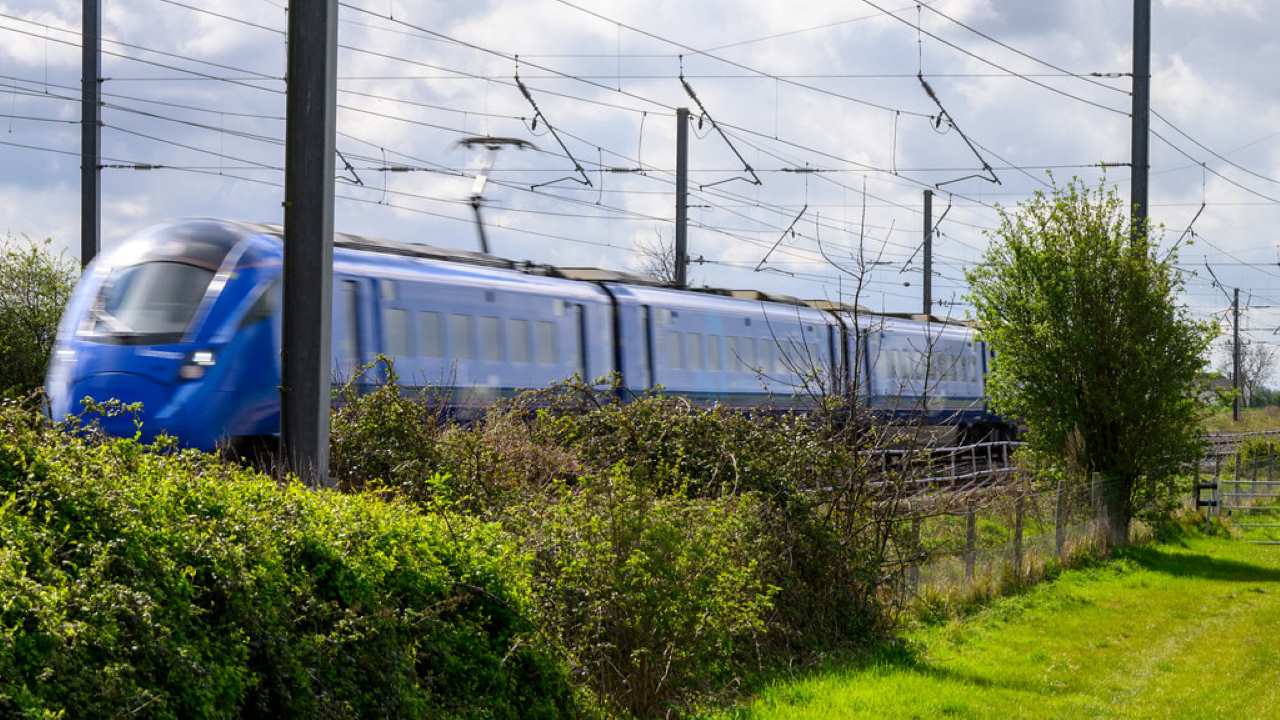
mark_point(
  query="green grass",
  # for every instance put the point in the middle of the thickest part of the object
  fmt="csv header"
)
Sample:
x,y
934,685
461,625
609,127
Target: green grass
x,y
1187,629
1251,420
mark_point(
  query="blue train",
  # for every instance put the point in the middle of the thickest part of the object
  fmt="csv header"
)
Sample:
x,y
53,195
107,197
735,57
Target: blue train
x,y
185,319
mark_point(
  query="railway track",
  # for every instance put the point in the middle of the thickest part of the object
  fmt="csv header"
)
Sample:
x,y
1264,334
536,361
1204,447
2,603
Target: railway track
x,y
956,469
1221,444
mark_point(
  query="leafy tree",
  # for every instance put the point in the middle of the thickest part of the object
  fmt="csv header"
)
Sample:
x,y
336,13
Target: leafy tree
x,y
1094,352
1257,362
35,284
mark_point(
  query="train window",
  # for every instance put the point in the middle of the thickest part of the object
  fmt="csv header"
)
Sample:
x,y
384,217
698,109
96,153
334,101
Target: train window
x,y
490,339
265,306
518,340
462,337
430,335
154,298
713,352
789,356
748,348
693,350
766,355
545,344
395,330
349,303
675,351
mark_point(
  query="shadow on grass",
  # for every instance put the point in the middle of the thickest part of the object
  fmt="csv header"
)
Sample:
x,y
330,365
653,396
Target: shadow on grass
x,y
1200,566
893,656
901,657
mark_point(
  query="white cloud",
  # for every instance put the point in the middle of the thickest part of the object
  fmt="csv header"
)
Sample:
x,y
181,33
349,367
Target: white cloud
x,y
1212,61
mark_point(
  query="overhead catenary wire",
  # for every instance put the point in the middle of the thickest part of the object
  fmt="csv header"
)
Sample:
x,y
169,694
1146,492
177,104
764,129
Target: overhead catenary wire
x,y
992,63
718,202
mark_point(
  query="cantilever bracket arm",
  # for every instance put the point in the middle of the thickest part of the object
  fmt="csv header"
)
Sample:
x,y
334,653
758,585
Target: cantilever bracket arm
x,y
537,113
755,179
763,260
988,173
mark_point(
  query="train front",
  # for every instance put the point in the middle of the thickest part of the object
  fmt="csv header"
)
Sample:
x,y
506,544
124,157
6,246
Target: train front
x,y
183,319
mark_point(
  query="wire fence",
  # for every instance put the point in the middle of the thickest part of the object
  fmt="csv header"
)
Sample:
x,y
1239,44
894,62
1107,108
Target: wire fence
x,y
982,527
998,535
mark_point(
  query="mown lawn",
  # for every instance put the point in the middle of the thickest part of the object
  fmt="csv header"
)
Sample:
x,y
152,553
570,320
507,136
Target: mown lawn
x,y
1189,629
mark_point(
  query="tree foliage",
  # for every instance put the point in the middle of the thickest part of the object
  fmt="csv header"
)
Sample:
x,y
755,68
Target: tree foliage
x,y
1257,362
1094,352
35,284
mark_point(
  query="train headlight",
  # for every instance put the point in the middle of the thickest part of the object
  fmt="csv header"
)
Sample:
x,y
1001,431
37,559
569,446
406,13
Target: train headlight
x,y
196,365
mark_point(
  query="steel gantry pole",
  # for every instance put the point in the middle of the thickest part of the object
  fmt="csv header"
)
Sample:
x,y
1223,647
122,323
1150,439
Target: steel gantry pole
x,y
928,253
1141,114
1235,355
681,275
308,238
90,131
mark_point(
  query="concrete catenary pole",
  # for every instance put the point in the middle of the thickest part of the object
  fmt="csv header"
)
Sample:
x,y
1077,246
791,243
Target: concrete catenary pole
x,y
1141,113
681,274
90,131
308,238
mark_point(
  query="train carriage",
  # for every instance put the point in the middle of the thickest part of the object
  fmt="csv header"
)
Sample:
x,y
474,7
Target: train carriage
x,y
185,319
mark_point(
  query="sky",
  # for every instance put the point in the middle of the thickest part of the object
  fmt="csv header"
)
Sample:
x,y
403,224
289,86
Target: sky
x,y
825,87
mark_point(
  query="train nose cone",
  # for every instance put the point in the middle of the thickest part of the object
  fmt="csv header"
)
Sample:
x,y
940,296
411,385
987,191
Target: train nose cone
x,y
128,388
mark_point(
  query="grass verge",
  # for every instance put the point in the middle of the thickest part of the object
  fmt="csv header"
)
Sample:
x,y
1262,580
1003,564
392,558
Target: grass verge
x,y
1251,420
1180,629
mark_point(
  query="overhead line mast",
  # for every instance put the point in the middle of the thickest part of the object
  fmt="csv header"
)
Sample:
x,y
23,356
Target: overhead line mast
x,y
90,132
310,128
1141,115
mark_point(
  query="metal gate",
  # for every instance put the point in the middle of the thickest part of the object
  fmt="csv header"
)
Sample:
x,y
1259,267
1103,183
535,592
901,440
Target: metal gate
x,y
1243,485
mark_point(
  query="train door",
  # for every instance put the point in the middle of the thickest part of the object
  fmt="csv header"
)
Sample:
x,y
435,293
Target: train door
x,y
352,341
646,316
579,332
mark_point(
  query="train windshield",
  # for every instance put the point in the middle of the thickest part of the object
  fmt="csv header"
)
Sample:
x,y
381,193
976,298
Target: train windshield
x,y
149,300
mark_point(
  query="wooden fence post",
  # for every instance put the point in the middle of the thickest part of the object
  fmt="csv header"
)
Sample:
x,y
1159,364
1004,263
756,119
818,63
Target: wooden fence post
x,y
913,570
1018,504
1253,479
970,543
1095,504
1217,485
1235,481
1060,521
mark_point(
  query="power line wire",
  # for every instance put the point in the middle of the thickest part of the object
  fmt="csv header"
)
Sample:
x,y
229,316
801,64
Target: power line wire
x,y
992,63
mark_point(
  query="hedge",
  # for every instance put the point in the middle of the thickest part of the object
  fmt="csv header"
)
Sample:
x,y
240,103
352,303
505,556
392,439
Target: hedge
x,y
145,582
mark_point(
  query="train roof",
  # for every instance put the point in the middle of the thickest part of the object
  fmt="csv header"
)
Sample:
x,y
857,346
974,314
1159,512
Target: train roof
x,y
722,302
638,284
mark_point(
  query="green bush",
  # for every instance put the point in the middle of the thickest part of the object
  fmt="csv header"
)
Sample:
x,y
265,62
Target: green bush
x,y
658,598
140,581
628,507
35,285
383,437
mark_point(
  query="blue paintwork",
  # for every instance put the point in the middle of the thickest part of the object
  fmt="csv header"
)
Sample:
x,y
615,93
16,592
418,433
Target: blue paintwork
x,y
711,348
